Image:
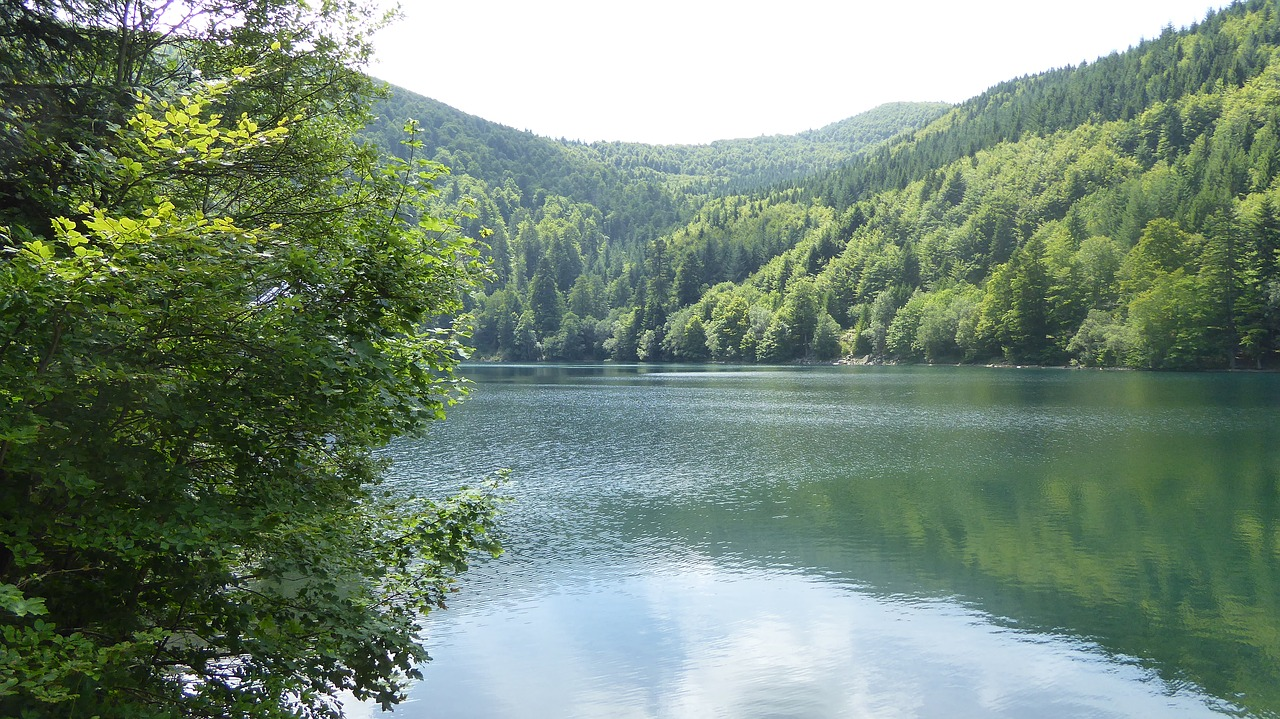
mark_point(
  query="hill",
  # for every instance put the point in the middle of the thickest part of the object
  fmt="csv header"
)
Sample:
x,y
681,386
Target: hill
x,y
573,226
1122,212
641,190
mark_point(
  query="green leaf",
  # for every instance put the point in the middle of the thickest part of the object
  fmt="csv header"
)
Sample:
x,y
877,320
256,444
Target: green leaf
x,y
13,601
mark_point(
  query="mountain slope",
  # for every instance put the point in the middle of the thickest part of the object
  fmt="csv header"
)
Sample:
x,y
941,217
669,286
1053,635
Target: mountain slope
x,y
1225,50
1122,212
576,228
668,179
1119,213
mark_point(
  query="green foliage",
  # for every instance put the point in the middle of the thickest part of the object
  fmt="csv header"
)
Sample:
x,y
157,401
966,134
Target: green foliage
x,y
1028,224
729,329
826,338
798,318
1014,197
1167,322
625,337
591,216
197,360
546,303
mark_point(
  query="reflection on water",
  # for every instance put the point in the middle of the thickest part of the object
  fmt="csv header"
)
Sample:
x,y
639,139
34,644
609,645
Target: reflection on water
x,y
832,542
699,642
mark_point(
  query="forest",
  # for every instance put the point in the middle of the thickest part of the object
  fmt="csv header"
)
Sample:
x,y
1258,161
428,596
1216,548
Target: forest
x,y
1122,212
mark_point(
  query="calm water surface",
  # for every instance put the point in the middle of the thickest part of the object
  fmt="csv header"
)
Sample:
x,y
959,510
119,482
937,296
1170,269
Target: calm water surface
x,y
848,542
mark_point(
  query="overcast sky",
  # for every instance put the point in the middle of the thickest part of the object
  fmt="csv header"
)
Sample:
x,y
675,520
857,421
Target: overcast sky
x,y
693,71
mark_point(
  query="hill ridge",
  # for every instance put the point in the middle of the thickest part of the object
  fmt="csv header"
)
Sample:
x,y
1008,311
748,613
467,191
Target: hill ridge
x,y
1119,212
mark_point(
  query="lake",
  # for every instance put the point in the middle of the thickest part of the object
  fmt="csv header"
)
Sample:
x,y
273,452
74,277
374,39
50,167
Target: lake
x,y
712,541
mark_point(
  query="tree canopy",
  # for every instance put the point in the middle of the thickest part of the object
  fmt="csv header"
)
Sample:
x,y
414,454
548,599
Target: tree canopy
x,y
215,305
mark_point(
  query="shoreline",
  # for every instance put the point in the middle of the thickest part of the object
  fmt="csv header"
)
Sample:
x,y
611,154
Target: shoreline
x,y
866,362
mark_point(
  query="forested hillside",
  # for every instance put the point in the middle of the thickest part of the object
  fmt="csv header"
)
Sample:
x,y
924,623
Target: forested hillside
x,y
1123,212
1119,213
631,179
575,225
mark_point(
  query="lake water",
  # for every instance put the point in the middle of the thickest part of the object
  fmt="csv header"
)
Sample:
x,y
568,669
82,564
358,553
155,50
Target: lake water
x,y
846,542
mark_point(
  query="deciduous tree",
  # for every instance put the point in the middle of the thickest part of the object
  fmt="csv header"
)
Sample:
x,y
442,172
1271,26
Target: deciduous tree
x,y
197,360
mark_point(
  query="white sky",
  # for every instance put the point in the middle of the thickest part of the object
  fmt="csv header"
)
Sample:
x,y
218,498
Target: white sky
x,y
693,71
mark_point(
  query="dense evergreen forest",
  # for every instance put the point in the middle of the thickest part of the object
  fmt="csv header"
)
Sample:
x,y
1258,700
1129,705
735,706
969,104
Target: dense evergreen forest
x,y
1119,213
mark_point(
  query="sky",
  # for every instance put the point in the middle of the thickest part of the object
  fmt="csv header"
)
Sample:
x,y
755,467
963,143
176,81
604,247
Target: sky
x,y
694,71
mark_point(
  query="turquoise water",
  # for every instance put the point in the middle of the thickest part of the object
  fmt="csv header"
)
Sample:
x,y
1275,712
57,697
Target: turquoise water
x,y
847,542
